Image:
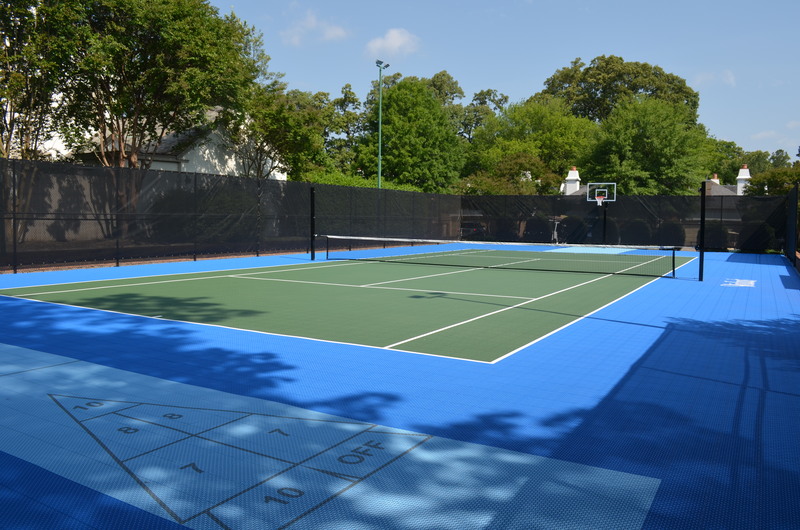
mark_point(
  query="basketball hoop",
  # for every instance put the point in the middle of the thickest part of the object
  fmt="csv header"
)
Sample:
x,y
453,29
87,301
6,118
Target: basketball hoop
x,y
599,199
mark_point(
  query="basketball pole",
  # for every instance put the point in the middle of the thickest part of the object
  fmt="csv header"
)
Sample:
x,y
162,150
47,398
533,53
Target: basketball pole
x,y
605,219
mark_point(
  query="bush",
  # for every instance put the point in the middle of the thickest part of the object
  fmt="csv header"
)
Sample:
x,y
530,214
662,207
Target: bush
x,y
337,178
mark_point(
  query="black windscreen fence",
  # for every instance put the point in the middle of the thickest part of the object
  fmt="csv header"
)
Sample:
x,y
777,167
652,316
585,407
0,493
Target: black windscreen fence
x,y
55,214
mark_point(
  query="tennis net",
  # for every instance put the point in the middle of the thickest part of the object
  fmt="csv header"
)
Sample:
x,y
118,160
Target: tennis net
x,y
640,261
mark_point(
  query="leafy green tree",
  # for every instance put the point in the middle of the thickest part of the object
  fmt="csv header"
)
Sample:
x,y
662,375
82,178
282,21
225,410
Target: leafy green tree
x,y
594,91
725,159
148,67
651,147
344,130
517,173
542,127
774,181
279,131
35,50
757,161
446,88
485,104
420,144
780,159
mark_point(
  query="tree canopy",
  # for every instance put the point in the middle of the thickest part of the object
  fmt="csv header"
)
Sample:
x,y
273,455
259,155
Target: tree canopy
x,y
420,142
651,146
116,76
147,67
594,90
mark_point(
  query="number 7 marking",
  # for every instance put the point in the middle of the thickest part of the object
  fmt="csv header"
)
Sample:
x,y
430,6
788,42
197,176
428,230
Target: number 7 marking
x,y
192,466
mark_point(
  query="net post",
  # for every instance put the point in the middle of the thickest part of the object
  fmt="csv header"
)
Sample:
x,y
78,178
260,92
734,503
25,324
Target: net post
x,y
701,236
673,263
312,221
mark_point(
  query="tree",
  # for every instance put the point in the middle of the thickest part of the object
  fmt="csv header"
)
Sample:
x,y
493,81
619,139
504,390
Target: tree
x,y
725,159
446,88
650,146
35,49
757,161
773,181
344,130
279,131
485,104
420,144
148,67
516,173
542,127
780,159
594,91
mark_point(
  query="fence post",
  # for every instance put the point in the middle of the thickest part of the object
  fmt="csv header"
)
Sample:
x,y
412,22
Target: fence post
x,y
312,222
791,225
14,221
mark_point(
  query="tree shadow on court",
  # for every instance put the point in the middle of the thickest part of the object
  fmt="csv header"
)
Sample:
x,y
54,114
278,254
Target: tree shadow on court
x,y
707,410
188,309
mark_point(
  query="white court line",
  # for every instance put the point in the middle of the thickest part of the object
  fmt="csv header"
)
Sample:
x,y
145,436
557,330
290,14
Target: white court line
x,y
262,269
451,326
379,287
496,312
174,280
471,269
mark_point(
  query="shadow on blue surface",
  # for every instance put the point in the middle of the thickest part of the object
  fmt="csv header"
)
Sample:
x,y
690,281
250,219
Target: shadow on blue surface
x,y
478,474
41,499
710,410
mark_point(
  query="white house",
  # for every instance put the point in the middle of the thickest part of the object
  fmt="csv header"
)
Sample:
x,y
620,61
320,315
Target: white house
x,y
199,151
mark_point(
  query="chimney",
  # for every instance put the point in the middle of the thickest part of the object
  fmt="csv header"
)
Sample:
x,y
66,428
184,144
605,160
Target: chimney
x,y
572,184
715,178
742,180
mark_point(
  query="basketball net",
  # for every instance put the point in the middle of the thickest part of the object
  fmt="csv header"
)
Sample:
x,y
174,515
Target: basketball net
x,y
599,199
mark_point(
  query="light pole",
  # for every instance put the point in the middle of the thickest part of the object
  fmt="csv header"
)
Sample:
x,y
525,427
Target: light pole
x,y
381,67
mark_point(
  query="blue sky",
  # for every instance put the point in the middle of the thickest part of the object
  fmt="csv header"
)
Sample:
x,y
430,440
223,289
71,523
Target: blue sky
x,y
742,57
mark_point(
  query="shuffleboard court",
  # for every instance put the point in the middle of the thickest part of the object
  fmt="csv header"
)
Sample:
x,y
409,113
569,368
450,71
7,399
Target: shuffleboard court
x,y
475,312
207,459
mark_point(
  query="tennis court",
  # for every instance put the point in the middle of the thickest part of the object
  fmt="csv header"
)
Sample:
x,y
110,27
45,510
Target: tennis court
x,y
475,302
280,392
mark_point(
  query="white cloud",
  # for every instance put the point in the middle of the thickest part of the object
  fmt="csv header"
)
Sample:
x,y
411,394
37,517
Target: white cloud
x,y
314,28
726,77
396,42
764,135
793,125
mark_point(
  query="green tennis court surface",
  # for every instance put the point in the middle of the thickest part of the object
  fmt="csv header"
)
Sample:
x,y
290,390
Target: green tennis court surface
x,y
481,312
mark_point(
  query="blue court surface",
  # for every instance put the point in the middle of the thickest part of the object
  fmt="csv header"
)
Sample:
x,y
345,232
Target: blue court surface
x,y
676,406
